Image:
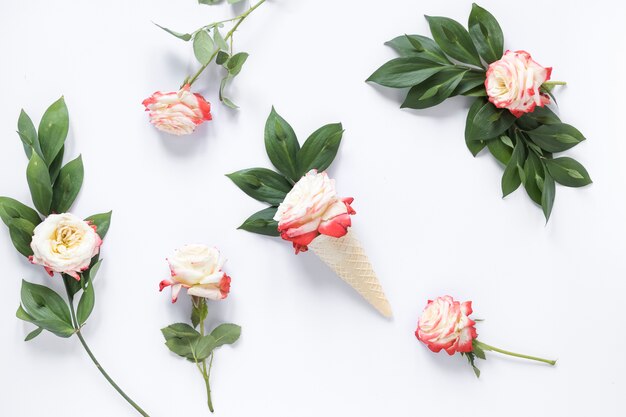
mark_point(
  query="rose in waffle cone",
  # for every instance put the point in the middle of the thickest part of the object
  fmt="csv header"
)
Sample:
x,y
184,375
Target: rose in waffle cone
x,y
346,257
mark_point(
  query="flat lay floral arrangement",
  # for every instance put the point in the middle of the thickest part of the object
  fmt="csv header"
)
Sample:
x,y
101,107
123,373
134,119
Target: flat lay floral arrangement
x,y
511,115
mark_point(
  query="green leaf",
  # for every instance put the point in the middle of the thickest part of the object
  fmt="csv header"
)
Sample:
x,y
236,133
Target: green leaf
x,y
405,72
39,183
68,185
86,303
221,58
262,222
557,137
547,196
487,122
102,222
478,351
234,1
470,359
568,172
540,116
219,40
55,166
180,339
434,90
226,334
209,2
511,179
453,39
199,312
184,36
21,232
53,129
202,347
203,47
12,209
472,84
282,145
262,184
320,149
474,146
499,150
33,334
419,46
45,308
486,34
534,178
28,134
229,103
235,63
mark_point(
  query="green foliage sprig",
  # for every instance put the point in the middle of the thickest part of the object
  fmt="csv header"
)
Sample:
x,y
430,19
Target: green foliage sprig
x,y
454,63
291,161
53,188
196,346
209,45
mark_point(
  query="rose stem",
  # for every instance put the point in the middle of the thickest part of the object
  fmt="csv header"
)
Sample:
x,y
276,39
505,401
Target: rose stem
x,y
93,358
198,302
485,346
551,83
239,19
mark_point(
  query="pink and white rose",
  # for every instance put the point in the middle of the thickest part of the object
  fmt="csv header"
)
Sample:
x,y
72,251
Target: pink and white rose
x,y
199,269
64,243
311,208
177,112
513,83
445,324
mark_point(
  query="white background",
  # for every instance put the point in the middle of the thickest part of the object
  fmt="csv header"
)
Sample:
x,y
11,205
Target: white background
x,y
430,215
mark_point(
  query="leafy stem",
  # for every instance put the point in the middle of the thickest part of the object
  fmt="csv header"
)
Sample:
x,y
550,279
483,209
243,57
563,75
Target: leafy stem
x,y
485,346
200,303
76,325
228,36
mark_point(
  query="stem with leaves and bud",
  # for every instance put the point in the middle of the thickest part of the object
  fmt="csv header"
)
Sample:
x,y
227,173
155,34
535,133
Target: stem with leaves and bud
x,y
228,36
200,303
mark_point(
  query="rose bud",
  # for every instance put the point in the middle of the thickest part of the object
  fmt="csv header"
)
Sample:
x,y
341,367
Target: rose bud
x,y
65,244
513,83
179,112
312,208
199,269
445,324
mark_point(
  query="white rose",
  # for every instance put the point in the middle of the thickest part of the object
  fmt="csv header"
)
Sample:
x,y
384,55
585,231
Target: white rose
x,y
311,208
65,244
199,269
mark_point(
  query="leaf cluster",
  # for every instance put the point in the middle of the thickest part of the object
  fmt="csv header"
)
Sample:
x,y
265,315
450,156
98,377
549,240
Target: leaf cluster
x,y
453,63
53,188
291,161
184,340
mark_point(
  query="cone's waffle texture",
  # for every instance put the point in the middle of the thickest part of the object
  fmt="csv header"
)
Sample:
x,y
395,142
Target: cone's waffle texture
x,y
346,257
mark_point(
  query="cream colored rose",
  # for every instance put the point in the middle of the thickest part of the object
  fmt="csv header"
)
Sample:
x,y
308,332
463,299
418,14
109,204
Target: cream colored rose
x,y
311,208
199,269
65,244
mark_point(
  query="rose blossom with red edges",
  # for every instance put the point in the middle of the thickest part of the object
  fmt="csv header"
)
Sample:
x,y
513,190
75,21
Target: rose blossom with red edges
x,y
445,324
199,269
513,83
178,112
312,208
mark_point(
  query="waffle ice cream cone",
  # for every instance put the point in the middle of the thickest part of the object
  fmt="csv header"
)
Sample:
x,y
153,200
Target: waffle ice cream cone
x,y
346,257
